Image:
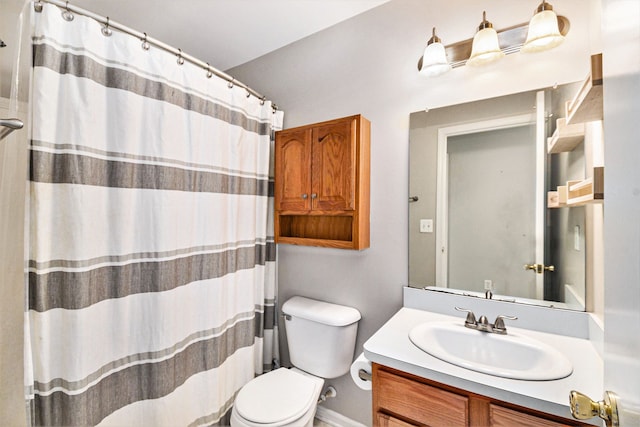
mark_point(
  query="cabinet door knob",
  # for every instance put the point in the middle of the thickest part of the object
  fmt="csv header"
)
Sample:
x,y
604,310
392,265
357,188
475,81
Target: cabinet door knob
x,y
582,407
314,195
304,196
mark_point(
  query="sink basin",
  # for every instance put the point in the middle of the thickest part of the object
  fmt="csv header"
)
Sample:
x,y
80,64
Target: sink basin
x,y
510,356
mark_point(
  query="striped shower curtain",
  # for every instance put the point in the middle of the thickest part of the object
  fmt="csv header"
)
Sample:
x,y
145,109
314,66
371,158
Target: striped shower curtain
x,y
151,276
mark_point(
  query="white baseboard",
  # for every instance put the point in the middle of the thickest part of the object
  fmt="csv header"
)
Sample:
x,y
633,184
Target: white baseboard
x,y
335,419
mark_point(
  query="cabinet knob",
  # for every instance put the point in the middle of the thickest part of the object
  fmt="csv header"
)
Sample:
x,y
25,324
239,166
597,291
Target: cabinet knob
x,y
304,196
314,195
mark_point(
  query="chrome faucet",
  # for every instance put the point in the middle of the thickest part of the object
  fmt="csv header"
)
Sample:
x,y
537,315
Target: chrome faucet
x,y
483,325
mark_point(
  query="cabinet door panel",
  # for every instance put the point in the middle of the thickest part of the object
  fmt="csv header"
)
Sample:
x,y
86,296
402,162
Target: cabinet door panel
x,y
420,402
292,160
384,420
334,166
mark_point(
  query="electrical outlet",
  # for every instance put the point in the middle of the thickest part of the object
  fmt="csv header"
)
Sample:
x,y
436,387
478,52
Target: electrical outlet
x,y
488,285
426,226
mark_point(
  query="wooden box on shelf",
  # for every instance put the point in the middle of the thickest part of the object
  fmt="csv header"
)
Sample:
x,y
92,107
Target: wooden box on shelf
x,y
557,199
586,106
322,184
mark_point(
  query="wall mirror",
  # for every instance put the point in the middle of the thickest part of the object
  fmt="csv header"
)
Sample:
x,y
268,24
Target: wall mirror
x,y
478,213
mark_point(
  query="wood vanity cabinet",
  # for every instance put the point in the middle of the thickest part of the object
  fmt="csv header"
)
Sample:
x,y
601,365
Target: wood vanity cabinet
x,y
322,184
401,400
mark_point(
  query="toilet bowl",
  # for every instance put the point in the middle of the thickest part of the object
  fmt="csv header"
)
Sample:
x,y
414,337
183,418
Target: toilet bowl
x,y
321,338
284,397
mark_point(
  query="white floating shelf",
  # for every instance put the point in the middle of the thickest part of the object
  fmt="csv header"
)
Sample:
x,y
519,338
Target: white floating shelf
x,y
586,106
566,137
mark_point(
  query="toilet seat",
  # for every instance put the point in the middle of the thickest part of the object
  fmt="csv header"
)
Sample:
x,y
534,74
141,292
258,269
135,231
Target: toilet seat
x,y
278,398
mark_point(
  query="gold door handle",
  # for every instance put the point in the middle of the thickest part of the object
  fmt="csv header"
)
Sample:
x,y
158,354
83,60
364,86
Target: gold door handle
x,y
539,268
583,408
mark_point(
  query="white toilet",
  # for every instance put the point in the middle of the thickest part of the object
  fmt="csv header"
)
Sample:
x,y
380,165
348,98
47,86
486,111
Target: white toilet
x,y
321,339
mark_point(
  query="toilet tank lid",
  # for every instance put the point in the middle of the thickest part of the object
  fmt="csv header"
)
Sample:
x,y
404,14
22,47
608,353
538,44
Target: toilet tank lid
x,y
320,311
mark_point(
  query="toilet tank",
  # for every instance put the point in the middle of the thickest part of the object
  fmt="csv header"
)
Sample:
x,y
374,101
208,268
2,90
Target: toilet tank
x,y
321,336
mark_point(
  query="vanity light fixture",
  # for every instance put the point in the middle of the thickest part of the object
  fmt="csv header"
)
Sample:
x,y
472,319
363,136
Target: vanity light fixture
x,y
544,33
434,60
485,48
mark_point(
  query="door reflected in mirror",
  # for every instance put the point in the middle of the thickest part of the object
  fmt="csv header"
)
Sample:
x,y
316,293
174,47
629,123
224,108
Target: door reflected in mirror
x,y
480,171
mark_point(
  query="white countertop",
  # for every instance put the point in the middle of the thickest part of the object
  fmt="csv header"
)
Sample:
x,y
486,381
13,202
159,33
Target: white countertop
x,y
391,346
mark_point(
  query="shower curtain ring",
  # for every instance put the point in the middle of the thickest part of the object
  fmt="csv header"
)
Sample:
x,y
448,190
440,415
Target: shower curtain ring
x,y
248,93
209,72
106,31
263,100
37,6
145,43
66,14
230,84
180,58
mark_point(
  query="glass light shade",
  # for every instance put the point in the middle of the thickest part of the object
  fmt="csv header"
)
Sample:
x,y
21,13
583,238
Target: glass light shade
x,y
485,48
434,60
543,32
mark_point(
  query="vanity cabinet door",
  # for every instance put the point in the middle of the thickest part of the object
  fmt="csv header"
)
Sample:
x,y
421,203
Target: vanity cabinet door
x,y
418,402
504,417
384,420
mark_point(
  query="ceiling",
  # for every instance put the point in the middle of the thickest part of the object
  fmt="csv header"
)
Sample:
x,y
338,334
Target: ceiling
x,y
225,33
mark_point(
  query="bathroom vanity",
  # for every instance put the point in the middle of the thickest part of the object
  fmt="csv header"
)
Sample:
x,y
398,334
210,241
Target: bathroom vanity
x,y
403,399
412,387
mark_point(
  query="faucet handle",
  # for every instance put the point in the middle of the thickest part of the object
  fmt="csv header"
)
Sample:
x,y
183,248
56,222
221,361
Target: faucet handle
x,y
471,318
498,325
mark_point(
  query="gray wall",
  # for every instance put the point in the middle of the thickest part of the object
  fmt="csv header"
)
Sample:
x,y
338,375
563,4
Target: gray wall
x,y
367,65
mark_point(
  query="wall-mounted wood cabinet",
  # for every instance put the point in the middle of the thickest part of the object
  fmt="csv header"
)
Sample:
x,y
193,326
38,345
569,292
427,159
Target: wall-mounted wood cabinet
x,y
401,399
322,184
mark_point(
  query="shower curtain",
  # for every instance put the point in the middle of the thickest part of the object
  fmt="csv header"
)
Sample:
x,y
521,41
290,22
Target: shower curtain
x,y
151,276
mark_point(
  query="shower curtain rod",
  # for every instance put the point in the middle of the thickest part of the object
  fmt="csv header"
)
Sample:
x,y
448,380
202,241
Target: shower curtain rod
x,y
108,25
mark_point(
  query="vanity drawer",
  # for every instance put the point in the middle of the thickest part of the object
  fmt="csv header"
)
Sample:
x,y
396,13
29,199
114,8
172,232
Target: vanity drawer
x,y
419,402
504,417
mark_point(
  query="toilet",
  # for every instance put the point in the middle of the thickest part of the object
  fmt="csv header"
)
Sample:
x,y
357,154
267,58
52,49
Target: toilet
x,y
321,338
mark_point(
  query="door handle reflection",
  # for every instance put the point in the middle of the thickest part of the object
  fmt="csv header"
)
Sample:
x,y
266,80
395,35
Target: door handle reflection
x,y
539,268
